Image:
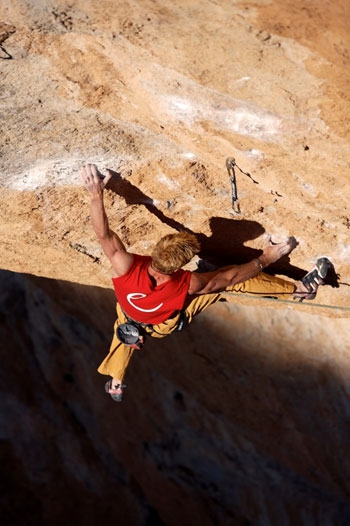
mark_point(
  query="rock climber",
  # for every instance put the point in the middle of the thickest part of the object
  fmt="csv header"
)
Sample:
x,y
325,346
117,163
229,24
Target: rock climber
x,y
156,297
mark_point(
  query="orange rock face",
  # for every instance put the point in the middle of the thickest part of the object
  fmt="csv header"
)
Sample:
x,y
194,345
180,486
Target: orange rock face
x,y
241,419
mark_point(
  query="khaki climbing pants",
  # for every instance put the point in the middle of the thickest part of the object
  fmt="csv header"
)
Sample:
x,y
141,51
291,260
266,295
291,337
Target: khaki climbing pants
x,y
118,358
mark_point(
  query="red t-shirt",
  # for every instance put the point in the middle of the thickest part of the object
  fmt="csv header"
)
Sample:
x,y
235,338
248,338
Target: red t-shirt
x,y
148,303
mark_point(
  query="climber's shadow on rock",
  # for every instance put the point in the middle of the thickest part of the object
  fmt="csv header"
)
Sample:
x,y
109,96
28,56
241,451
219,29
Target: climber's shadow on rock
x,y
134,195
227,243
227,246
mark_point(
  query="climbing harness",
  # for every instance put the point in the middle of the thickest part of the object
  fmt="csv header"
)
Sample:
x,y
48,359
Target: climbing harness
x,y
230,165
183,321
130,333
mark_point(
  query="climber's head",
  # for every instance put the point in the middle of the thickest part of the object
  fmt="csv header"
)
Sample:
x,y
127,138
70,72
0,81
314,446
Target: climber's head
x,y
174,251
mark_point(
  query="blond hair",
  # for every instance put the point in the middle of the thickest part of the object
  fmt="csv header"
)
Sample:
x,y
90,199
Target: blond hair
x,y
174,251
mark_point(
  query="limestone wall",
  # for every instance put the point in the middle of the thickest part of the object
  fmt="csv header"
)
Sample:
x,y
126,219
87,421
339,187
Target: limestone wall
x,y
243,418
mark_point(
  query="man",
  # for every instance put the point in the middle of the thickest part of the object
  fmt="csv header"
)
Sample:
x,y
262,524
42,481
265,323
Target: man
x,y
155,296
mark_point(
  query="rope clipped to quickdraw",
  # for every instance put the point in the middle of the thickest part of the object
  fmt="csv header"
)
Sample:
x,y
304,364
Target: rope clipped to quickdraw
x,y
230,165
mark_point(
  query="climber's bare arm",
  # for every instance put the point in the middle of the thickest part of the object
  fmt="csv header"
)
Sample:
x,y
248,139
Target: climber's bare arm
x,y
218,280
111,243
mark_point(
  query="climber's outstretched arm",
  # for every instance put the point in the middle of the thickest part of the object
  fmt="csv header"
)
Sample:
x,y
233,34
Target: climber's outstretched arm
x,y
111,243
218,280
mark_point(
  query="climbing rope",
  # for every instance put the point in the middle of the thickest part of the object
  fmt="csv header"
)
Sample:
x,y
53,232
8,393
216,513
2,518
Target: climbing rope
x,y
292,302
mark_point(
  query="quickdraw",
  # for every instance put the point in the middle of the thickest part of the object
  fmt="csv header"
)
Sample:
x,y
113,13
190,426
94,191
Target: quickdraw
x,y
230,165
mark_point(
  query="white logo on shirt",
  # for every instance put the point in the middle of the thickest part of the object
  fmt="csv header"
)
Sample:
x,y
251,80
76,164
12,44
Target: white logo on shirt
x,y
138,296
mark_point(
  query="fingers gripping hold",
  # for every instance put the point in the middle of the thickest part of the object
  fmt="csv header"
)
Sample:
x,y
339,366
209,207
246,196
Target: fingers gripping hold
x,y
93,179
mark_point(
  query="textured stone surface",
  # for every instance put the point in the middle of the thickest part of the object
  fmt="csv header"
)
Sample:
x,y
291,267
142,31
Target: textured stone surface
x,y
237,420
244,417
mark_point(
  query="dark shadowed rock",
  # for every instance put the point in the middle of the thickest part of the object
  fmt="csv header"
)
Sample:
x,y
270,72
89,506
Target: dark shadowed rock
x,y
225,423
